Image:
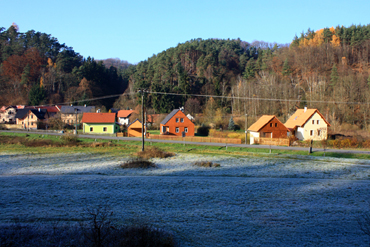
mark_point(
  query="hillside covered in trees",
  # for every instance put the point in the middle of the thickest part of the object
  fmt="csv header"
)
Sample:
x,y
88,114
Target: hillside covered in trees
x,y
36,69
327,69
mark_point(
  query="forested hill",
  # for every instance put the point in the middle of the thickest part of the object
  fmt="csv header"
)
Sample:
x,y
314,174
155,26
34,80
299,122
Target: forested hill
x,y
36,69
327,69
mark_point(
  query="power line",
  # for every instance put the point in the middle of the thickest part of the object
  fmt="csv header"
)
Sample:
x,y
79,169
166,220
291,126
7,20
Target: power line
x,y
215,96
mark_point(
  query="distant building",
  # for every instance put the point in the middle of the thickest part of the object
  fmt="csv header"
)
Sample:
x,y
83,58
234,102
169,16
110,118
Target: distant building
x,y
177,123
100,123
31,118
267,126
308,124
68,113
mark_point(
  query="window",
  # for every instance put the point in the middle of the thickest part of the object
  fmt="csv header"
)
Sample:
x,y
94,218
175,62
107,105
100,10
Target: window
x,y
181,120
313,121
177,130
270,124
177,120
67,121
318,121
275,124
104,129
186,130
31,116
311,132
91,129
318,131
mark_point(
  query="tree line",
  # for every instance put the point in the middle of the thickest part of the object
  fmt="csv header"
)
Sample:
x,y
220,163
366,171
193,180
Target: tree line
x,y
327,69
36,69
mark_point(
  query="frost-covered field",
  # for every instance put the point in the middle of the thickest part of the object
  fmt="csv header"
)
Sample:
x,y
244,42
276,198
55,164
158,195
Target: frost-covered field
x,y
276,201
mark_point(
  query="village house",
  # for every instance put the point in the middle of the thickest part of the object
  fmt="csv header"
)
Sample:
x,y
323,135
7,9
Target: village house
x,y
267,126
100,123
176,123
31,118
52,110
69,114
7,114
124,116
308,124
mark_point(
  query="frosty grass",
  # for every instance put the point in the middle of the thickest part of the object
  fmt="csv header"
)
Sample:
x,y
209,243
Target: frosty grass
x,y
248,201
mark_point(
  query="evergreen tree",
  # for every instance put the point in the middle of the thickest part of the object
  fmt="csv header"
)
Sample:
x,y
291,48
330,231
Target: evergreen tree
x,y
286,68
36,95
231,125
334,75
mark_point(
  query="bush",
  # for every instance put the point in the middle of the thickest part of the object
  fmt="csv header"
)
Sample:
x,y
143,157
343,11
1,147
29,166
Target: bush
x,y
206,164
153,152
203,130
138,163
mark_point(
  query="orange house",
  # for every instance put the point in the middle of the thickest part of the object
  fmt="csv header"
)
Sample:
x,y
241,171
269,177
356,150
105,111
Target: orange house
x,y
177,123
134,129
267,126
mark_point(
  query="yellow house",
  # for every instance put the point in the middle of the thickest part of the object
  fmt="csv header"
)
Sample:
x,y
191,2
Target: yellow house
x,y
100,123
308,124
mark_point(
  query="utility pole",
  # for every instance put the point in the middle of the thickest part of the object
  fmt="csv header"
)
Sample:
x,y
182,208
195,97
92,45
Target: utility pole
x,y
76,110
246,126
142,91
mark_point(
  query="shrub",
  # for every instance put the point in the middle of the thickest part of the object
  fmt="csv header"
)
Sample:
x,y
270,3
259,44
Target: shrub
x,y
70,139
138,163
154,152
206,164
203,130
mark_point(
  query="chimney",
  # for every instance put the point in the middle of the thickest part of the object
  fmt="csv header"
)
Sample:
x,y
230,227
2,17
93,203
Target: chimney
x,y
39,110
84,105
305,108
71,104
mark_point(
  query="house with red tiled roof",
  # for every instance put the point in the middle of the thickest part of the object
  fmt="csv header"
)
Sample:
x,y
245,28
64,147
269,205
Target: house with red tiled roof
x,y
124,116
267,126
100,123
308,124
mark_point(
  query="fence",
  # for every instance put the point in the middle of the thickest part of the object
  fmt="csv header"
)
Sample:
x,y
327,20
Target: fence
x,y
197,139
273,141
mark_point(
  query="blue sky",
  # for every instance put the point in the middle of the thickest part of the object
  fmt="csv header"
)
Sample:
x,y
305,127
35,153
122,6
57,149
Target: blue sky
x,y
135,30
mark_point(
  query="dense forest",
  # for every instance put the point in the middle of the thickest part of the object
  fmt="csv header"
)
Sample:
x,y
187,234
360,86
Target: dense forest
x,y
36,69
326,69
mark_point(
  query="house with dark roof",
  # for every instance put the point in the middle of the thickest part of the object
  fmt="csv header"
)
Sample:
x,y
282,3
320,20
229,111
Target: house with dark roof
x,y
308,124
7,114
31,118
267,126
69,114
100,123
176,123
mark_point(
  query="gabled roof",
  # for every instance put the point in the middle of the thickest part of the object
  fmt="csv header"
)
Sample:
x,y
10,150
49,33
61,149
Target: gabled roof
x,y
124,113
51,109
261,122
300,117
80,109
39,113
92,117
136,120
169,116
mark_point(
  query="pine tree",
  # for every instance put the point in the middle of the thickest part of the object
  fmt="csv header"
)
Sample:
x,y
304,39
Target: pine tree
x,y
231,124
334,75
286,68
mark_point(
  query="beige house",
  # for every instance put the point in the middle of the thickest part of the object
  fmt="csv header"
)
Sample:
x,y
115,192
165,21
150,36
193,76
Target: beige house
x,y
7,114
308,124
31,118
68,113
